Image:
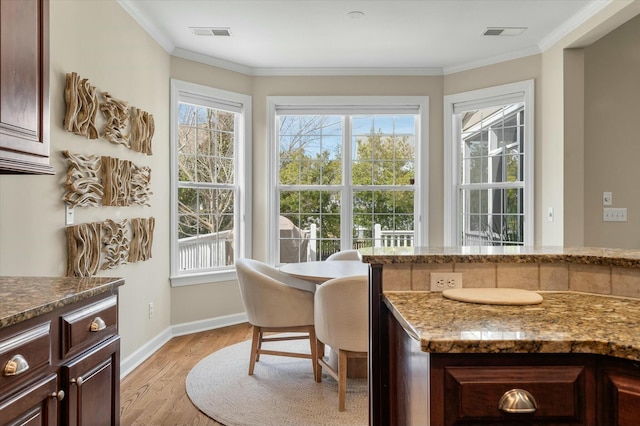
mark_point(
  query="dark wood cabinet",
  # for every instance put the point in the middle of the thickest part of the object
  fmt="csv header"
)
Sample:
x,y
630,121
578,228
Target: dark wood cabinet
x,y
441,389
92,379
550,389
35,405
24,87
619,388
63,367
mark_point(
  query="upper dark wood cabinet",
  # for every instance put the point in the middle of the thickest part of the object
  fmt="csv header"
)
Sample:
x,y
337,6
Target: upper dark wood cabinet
x,y
24,86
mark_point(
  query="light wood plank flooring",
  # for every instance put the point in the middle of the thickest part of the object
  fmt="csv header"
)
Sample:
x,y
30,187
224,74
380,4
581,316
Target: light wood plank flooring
x,y
154,393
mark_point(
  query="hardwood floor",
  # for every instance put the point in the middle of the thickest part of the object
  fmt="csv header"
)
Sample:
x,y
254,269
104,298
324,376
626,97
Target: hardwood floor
x,y
154,393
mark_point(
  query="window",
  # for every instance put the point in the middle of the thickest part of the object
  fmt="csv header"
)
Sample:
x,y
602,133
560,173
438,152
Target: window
x,y
489,160
210,172
347,173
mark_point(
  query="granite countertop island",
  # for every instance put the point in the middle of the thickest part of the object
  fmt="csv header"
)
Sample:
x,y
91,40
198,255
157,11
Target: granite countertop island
x,y
565,322
502,254
23,298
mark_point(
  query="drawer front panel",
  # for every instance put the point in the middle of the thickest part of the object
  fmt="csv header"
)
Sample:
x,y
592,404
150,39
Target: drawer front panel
x,y
559,393
89,326
35,405
23,354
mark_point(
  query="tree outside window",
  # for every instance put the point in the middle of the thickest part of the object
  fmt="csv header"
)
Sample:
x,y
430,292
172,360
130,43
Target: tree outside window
x,y
315,179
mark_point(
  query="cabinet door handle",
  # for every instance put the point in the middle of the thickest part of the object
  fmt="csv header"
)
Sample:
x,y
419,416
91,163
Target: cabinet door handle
x,y
97,324
58,395
16,365
518,401
79,381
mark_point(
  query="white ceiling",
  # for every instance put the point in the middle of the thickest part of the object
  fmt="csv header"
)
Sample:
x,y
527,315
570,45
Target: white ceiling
x,y
399,37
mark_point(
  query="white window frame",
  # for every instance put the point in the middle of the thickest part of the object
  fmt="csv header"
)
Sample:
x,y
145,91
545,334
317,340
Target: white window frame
x,y
351,105
242,173
522,91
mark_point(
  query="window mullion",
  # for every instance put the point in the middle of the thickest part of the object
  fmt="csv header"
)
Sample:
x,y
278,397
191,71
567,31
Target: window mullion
x,y
346,215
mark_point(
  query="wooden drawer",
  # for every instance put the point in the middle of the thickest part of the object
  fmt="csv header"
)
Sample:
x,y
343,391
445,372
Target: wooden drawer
x,y
473,394
35,405
88,326
23,354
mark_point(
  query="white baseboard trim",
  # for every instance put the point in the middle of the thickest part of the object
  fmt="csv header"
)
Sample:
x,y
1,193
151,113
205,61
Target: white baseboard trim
x,y
130,363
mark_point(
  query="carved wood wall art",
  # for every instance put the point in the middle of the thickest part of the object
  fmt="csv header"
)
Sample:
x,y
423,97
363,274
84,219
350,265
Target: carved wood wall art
x,y
83,249
92,181
83,187
141,239
115,244
116,113
140,186
82,106
142,130
116,175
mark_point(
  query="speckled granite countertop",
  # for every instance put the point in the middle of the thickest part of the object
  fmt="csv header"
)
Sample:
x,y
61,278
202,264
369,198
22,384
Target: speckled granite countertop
x,y
565,322
22,298
514,254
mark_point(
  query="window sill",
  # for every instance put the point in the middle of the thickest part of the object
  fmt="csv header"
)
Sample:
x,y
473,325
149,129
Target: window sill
x,y
203,278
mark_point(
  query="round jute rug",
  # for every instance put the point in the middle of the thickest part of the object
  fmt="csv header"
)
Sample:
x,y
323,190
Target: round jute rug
x,y
280,392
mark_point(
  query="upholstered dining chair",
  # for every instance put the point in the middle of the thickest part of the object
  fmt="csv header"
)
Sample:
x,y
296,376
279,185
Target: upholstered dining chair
x,y
342,322
345,255
276,303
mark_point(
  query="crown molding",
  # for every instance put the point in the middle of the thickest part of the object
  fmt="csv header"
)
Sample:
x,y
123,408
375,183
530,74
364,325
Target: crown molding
x,y
130,7
572,24
492,60
210,60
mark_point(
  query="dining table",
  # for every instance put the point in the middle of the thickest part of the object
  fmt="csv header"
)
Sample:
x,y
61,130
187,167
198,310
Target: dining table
x,y
324,270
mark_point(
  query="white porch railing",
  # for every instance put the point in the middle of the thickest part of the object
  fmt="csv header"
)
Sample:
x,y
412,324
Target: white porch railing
x,y
206,251
216,249
391,238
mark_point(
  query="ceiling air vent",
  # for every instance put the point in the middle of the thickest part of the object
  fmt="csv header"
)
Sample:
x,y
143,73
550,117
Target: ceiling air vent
x,y
211,31
504,31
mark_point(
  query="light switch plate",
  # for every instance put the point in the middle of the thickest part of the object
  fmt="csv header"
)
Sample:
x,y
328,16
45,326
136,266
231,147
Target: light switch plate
x,y
614,214
607,198
68,215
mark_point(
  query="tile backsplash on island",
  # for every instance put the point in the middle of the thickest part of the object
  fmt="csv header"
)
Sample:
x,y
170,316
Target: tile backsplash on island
x,y
610,280
616,272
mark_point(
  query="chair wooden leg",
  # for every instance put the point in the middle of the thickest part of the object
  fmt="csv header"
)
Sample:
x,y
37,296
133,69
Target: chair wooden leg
x,y
254,349
260,335
319,356
312,344
342,379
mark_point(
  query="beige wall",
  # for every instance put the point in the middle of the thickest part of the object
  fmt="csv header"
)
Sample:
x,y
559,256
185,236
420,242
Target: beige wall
x,y
563,143
101,42
611,140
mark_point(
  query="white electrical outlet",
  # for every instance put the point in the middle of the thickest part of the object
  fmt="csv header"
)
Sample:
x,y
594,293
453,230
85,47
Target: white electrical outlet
x,y
441,281
150,310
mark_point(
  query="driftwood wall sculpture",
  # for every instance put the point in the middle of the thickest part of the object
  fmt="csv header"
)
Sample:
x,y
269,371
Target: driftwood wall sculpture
x,y
115,244
83,249
142,129
116,113
83,187
140,186
109,181
82,106
106,245
93,180
80,118
116,175
141,239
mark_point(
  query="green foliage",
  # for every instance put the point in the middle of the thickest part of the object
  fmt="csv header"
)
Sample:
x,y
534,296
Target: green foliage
x,y
378,159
